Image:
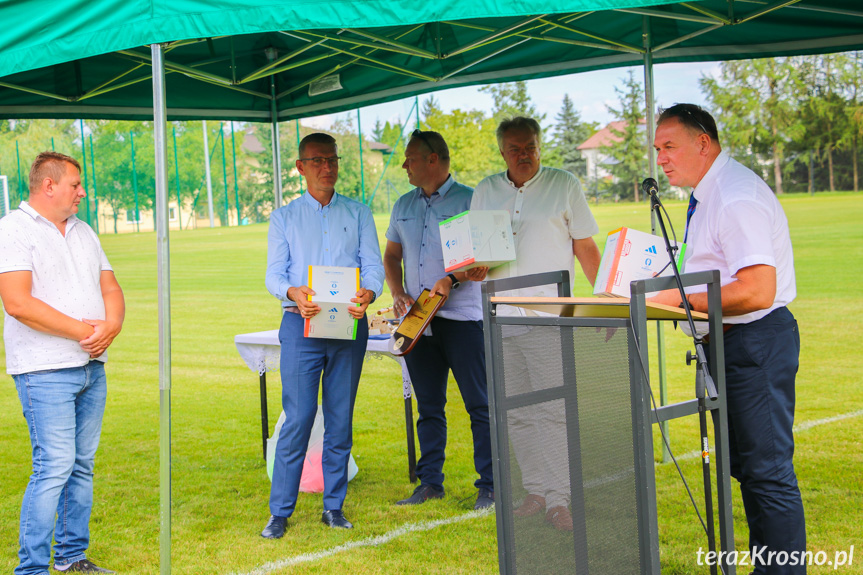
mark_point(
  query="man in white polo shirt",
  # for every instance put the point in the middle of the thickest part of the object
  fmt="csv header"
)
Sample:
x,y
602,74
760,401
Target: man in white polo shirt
x,y
736,225
551,223
63,308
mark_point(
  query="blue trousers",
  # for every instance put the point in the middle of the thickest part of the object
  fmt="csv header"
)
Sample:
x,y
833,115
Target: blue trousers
x,y
63,409
761,361
459,346
307,363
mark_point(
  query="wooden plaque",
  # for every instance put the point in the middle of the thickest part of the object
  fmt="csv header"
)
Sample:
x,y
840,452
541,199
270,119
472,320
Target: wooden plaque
x,y
415,322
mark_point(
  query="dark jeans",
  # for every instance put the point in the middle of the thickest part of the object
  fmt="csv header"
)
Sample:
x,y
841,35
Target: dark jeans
x,y
455,345
761,361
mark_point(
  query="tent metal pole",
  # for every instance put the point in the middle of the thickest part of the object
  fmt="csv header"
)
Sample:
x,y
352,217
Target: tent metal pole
x,y
95,189
18,157
277,156
164,289
236,185
177,178
84,166
227,221
135,182
651,158
362,172
209,177
297,127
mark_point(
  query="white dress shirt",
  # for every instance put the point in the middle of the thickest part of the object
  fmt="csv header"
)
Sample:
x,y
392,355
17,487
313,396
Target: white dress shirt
x,y
548,212
66,275
738,223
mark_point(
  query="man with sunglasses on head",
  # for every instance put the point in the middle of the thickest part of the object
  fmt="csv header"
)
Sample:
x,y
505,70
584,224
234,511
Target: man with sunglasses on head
x,y
324,228
735,224
455,338
552,226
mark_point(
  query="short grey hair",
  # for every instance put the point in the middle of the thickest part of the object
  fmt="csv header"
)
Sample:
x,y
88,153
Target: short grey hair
x,y
317,138
520,123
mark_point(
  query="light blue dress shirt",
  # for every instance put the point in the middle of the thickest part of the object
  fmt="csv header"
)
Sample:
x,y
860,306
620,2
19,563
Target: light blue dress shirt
x,y
305,233
415,224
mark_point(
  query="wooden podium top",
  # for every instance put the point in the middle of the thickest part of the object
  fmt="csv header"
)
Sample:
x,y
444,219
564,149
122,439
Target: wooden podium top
x,y
611,307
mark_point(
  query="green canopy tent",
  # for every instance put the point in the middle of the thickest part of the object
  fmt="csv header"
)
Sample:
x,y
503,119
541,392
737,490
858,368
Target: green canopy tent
x,y
292,59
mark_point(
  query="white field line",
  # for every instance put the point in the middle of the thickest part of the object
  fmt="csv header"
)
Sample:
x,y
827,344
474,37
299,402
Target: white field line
x,y
429,525
369,542
797,428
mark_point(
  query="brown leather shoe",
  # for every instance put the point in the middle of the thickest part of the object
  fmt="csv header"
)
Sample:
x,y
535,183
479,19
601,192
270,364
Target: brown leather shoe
x,y
560,518
531,505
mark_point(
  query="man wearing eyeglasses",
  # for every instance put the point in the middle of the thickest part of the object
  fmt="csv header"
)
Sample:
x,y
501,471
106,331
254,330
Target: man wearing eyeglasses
x,y
551,223
321,227
735,224
455,339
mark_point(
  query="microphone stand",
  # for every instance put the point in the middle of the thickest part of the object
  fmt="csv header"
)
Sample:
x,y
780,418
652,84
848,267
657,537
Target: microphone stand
x,y
704,385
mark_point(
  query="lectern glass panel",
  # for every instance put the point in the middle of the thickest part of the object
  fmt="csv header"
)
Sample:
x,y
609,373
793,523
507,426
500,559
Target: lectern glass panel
x,y
567,410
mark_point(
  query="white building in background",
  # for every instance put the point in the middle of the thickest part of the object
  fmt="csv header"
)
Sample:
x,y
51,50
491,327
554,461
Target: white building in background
x,y
599,163
592,150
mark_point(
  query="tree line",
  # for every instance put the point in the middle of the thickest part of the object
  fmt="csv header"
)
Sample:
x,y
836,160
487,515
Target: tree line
x,y
797,121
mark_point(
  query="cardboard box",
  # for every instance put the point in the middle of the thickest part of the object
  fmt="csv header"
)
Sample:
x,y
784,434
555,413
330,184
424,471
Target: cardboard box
x,y
334,287
477,238
631,255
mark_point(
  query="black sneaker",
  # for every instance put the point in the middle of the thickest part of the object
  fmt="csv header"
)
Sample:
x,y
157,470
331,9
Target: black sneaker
x,y
83,566
484,499
422,494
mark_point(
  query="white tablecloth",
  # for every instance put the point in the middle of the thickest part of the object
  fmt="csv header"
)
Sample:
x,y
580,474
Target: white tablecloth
x,y
260,351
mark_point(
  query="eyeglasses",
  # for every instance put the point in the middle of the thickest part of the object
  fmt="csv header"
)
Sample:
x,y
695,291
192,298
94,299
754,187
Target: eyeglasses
x,y
694,119
319,161
419,134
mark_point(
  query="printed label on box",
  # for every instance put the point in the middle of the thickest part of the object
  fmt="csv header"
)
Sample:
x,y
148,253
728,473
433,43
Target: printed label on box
x,y
632,255
477,238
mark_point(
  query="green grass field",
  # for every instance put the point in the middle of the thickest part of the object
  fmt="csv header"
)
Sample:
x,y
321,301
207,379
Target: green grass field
x,y
220,485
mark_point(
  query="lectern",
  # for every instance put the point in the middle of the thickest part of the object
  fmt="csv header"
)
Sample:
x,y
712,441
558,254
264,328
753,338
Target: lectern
x,y
572,419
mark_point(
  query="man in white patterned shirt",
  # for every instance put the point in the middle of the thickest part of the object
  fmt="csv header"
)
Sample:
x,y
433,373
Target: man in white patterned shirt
x,y
551,223
63,308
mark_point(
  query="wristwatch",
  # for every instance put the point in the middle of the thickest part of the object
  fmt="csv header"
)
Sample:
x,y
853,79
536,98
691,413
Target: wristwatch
x,y
455,282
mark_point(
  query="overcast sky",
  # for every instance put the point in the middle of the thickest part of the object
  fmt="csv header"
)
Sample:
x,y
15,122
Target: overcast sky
x,y
589,91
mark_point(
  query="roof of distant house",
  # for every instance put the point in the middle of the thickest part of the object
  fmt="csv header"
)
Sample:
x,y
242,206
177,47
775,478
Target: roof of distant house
x,y
605,137
251,143
380,147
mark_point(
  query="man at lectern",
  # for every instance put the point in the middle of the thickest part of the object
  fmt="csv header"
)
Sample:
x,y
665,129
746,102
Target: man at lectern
x,y
735,224
551,223
320,228
455,341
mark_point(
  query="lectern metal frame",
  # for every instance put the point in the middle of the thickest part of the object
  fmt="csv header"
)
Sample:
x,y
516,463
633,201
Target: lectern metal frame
x,y
643,414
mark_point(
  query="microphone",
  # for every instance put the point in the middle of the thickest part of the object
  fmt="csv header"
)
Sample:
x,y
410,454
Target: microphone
x,y
650,187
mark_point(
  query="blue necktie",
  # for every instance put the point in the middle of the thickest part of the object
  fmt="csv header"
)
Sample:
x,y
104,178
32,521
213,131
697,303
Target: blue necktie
x,y
693,203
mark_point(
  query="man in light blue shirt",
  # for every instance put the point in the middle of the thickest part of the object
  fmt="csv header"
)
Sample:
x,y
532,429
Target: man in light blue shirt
x,y
455,340
323,228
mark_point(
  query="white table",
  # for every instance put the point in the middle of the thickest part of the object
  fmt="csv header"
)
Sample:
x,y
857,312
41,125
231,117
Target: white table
x,y
261,352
